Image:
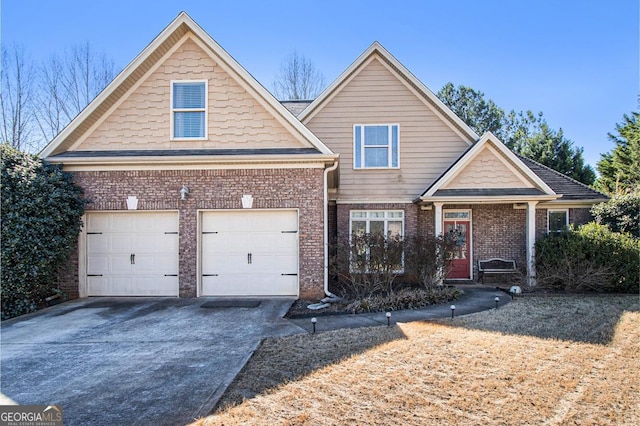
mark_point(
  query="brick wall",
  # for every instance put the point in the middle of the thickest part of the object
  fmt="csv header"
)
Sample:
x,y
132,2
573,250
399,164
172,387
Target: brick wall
x,y
580,216
577,216
499,230
217,189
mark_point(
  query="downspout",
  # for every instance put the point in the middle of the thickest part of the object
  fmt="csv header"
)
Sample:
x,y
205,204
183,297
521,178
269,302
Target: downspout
x,y
326,228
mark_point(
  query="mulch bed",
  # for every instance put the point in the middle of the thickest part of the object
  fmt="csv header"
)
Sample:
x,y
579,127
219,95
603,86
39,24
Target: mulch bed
x,y
299,310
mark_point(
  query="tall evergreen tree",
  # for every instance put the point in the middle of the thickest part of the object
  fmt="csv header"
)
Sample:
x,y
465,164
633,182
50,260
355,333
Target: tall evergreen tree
x,y
470,105
524,133
620,168
530,135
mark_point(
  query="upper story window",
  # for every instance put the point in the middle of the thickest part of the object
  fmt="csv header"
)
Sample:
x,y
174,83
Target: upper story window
x,y
189,109
557,220
376,146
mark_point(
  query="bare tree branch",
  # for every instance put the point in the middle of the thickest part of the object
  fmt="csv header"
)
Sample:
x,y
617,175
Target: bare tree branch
x,y
67,85
298,79
17,79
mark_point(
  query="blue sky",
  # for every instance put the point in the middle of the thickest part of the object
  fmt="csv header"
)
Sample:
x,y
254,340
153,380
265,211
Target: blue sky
x,y
576,61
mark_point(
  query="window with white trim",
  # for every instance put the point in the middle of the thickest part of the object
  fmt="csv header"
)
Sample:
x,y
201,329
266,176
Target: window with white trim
x,y
189,109
557,220
376,146
376,240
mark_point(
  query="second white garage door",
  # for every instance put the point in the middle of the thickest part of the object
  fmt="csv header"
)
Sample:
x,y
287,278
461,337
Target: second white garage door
x,y
249,253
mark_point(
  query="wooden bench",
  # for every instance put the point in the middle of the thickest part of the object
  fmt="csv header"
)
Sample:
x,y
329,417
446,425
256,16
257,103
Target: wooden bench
x,y
496,266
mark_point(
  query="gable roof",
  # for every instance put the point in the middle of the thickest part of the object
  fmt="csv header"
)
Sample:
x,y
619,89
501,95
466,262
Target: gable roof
x,y
145,62
423,92
534,189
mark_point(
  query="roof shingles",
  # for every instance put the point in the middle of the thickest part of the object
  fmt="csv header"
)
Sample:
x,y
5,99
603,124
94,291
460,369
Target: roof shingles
x,y
569,188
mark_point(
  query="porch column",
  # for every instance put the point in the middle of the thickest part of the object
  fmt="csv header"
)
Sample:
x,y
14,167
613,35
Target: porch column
x,y
531,239
438,218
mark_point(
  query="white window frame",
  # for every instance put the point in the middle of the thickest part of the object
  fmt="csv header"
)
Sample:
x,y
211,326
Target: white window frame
x,y
388,217
174,110
565,211
363,147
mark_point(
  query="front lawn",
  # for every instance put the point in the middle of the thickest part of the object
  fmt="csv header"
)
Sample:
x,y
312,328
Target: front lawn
x,y
555,360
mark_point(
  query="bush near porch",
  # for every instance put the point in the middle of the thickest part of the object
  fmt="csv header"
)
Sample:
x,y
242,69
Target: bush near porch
x,y
376,273
41,219
588,258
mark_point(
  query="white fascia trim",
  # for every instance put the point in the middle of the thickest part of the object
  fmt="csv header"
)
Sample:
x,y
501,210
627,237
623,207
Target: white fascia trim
x,y
376,47
576,204
190,163
488,200
361,201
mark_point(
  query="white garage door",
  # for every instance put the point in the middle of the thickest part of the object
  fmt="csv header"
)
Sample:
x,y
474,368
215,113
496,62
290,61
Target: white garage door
x,y
250,253
132,254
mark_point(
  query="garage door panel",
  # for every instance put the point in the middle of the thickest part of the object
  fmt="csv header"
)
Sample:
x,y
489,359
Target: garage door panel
x,y
105,264
97,223
97,243
225,262
235,285
130,254
249,253
123,222
120,243
155,265
98,265
272,265
107,286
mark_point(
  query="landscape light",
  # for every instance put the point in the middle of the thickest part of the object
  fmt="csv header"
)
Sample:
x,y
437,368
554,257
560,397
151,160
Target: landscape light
x,y
313,322
388,314
497,299
453,310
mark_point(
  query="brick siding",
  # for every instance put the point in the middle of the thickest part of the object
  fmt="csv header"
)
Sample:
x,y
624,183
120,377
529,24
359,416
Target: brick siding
x,y
300,189
498,230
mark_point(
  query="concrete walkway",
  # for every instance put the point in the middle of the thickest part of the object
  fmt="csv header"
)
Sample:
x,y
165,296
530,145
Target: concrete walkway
x,y
475,299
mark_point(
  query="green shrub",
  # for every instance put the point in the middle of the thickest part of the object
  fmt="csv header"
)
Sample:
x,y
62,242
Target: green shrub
x,y
590,258
621,214
41,219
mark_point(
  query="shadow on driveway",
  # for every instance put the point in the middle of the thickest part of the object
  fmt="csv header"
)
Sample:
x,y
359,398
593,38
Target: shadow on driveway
x,y
133,360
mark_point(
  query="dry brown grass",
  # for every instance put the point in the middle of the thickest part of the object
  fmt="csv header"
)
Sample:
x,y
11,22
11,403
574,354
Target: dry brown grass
x,y
503,366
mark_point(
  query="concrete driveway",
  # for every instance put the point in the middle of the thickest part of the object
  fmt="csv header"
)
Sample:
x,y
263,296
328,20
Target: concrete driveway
x,y
129,361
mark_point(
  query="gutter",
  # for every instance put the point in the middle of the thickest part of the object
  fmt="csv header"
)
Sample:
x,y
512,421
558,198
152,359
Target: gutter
x,y
326,228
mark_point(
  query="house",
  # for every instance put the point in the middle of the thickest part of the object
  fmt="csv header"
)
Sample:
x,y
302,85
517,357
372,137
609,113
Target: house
x,y
202,184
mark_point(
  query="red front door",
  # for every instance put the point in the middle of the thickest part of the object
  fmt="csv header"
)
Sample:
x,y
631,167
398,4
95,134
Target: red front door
x,y
457,232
